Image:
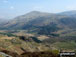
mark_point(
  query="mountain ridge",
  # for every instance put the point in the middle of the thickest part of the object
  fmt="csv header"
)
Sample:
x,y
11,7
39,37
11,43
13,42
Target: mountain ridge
x,y
36,20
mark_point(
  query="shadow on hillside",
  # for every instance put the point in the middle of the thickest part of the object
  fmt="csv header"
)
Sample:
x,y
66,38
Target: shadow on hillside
x,y
31,54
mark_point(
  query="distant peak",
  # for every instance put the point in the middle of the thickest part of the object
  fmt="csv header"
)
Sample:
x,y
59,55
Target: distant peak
x,y
35,12
72,11
39,12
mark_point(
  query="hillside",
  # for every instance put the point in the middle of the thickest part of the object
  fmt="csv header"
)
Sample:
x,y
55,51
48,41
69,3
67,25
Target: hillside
x,y
40,30
69,13
42,23
2,21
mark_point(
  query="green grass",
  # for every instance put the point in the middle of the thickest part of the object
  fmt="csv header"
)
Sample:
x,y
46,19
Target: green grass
x,y
65,45
1,56
8,34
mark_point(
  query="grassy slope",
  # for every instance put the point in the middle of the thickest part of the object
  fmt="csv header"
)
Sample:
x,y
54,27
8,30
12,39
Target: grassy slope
x,y
65,45
19,46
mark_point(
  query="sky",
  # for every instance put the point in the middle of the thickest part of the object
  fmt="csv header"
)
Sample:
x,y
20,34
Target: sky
x,y
12,8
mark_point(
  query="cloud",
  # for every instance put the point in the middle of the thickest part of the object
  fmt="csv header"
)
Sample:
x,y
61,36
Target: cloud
x,y
12,7
5,1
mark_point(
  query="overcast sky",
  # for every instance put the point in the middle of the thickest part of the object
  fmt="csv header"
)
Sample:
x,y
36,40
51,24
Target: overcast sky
x,y
13,8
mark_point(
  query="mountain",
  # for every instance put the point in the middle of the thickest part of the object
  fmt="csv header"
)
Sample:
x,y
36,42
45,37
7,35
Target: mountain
x,y
69,13
42,22
2,20
21,21
46,31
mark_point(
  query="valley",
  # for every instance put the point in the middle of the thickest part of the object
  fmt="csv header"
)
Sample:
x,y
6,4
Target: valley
x,y
39,32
